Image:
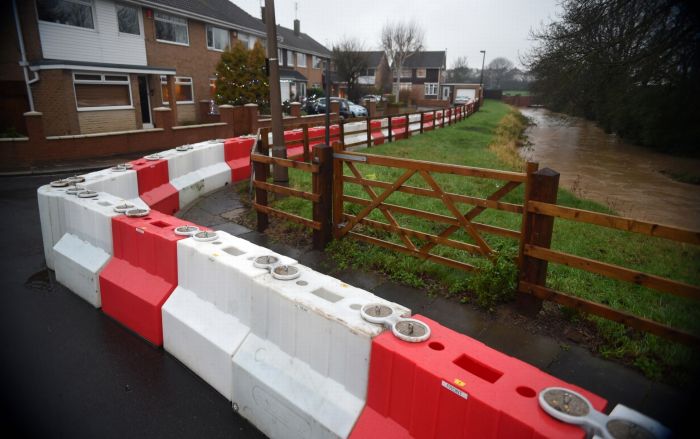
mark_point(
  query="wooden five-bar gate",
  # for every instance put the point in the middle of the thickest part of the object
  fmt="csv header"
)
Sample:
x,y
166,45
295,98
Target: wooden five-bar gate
x,y
334,170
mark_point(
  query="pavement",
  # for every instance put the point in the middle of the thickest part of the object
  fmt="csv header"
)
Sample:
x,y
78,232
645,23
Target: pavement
x,y
71,371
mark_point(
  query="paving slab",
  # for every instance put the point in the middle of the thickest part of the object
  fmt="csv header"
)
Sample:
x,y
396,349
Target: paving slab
x,y
231,228
415,300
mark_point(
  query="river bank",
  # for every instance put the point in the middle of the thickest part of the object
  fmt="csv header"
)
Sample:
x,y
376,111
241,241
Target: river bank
x,y
631,180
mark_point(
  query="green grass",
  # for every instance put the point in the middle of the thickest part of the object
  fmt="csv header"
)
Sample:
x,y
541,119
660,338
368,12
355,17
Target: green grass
x,y
467,143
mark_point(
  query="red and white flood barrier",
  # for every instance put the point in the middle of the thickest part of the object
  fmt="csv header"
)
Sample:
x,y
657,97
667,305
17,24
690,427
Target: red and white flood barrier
x,y
298,353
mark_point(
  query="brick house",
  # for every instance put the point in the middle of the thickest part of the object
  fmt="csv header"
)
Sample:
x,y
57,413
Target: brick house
x,y
422,74
378,73
103,65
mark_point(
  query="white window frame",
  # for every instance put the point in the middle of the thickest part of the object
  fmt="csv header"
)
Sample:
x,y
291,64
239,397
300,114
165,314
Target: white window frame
x,y
290,58
138,20
424,72
103,81
316,61
301,57
178,80
280,57
431,86
90,3
215,28
165,17
406,73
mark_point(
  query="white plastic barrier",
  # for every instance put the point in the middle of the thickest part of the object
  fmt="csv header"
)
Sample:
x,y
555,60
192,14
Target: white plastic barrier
x,y
78,265
90,218
303,370
51,217
199,170
356,137
117,181
207,317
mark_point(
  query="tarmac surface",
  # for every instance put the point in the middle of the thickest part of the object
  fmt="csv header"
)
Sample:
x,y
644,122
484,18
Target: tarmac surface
x,y
70,371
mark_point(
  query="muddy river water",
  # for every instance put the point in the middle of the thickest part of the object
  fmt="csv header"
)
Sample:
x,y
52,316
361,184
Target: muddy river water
x,y
601,167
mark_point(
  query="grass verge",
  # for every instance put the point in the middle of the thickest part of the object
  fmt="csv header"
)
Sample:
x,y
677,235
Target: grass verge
x,y
489,139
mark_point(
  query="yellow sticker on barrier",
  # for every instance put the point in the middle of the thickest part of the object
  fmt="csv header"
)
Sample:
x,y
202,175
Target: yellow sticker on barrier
x,y
459,382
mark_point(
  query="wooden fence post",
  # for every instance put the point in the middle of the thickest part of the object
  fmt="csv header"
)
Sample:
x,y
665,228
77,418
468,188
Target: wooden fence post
x,y
443,118
389,126
341,124
337,191
537,230
261,170
322,184
369,132
305,130
422,116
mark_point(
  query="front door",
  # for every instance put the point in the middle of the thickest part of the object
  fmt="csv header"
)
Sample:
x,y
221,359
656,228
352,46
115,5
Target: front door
x,y
145,98
445,93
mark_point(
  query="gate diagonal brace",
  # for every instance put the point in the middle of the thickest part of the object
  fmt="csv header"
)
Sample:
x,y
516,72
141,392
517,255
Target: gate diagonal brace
x,y
377,201
373,195
466,224
473,213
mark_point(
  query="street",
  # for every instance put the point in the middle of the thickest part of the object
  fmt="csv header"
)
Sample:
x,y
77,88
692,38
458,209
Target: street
x,y
70,371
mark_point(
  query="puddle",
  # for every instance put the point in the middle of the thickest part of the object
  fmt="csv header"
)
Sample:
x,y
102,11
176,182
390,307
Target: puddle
x,y
40,281
601,167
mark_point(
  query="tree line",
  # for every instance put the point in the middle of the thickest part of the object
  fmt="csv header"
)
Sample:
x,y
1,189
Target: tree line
x,y
633,66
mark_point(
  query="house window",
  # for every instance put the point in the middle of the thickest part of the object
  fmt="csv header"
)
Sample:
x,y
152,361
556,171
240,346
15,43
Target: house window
x,y
316,62
302,90
290,58
171,29
102,91
406,73
217,38
301,59
431,88
69,12
183,90
128,20
370,72
420,73
280,57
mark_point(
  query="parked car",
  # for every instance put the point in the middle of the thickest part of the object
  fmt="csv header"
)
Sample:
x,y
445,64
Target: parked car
x,y
373,98
310,104
320,107
357,110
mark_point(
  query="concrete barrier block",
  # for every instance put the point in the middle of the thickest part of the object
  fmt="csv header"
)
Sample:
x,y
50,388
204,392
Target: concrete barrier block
x,y
78,265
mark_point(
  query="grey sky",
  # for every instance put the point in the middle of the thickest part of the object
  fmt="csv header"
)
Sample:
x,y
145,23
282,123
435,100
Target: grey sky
x,y
463,27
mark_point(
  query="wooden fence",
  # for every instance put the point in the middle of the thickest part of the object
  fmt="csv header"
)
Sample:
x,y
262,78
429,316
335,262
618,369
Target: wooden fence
x,y
538,211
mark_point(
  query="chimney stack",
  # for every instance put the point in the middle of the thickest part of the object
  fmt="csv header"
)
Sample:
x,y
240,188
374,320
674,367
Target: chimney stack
x,y
262,13
297,27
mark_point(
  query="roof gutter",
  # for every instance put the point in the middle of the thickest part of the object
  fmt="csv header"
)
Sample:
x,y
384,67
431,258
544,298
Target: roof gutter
x,y
200,17
23,59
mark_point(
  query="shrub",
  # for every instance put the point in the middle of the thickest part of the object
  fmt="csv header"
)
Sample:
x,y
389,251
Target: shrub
x,y
495,280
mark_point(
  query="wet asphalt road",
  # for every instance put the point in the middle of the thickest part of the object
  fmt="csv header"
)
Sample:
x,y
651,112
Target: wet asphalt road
x,y
69,371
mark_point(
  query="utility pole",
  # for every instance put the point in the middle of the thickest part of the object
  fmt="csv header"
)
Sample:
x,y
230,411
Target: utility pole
x,y
481,81
279,173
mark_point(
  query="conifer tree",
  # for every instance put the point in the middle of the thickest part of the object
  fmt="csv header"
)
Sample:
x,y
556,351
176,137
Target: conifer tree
x,y
241,77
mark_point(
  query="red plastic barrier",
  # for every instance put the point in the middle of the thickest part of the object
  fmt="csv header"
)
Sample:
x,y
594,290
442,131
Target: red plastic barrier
x,y
453,386
294,140
143,272
154,185
319,135
237,155
376,130
428,121
398,128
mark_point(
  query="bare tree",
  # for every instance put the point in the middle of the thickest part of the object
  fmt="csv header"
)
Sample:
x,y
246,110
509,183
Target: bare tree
x,y
400,41
460,71
498,70
350,61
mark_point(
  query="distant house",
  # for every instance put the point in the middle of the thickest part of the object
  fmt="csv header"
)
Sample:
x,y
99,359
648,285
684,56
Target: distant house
x,y
378,73
301,62
422,74
103,65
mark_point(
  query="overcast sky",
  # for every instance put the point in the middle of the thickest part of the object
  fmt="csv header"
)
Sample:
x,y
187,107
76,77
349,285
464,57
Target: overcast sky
x,y
462,27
